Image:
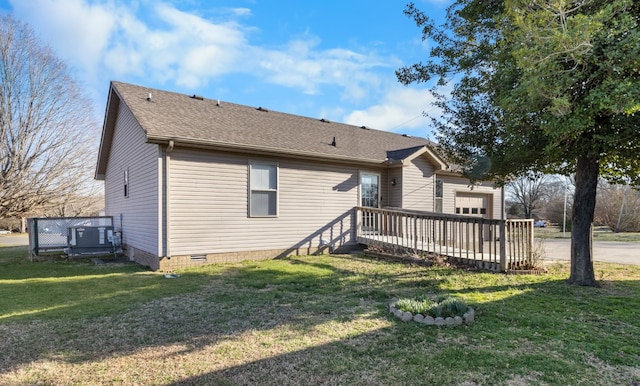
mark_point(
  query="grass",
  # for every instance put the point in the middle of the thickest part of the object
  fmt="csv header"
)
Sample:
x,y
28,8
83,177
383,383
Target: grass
x,y
310,320
599,234
78,289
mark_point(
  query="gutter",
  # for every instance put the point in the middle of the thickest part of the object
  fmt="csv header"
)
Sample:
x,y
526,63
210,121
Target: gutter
x,y
449,173
260,150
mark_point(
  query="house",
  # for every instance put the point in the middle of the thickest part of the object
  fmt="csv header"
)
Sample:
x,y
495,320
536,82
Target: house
x,y
191,180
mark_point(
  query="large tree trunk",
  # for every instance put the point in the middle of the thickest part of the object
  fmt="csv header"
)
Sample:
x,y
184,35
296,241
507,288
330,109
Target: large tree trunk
x,y
584,204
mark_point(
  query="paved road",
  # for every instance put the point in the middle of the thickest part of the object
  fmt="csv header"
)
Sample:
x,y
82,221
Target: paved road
x,y
14,239
605,251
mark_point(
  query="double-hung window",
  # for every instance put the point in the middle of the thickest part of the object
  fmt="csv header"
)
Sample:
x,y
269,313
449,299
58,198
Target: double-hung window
x,y
263,189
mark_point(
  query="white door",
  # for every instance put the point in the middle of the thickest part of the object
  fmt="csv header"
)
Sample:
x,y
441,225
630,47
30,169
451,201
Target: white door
x,y
370,190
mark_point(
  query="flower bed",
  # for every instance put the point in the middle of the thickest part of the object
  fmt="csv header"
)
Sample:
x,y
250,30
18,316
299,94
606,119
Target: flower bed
x,y
458,315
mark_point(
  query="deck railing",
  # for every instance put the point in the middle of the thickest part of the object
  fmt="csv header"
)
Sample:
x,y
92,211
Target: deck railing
x,y
497,245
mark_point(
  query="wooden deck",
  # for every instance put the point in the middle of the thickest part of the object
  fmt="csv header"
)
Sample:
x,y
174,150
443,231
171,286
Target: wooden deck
x,y
496,245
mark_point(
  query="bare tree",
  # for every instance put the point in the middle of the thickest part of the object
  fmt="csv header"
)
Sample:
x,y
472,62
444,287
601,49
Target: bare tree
x,y
77,205
618,207
530,192
46,124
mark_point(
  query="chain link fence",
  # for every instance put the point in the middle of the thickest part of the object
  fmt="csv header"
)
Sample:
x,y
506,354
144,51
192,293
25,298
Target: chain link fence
x,y
50,234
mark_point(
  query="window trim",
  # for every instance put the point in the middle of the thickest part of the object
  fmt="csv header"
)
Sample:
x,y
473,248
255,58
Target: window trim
x,y
251,189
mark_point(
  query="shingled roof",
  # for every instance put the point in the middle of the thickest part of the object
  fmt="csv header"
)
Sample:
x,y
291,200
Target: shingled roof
x,y
200,122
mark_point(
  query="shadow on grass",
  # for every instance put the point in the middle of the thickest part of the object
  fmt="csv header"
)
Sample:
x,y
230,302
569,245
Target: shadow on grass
x,y
382,357
537,325
543,332
57,288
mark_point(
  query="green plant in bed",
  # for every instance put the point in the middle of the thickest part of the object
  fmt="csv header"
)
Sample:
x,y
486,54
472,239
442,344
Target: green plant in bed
x,y
442,306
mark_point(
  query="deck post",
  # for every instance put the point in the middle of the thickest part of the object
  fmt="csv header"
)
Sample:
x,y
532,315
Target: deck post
x,y
445,235
503,246
415,233
530,230
481,236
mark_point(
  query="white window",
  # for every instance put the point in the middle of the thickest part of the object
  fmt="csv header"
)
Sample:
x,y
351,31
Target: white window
x,y
263,189
439,195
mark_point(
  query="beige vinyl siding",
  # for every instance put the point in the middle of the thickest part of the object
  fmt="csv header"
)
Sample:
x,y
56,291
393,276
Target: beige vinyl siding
x,y
385,187
418,185
209,204
139,211
452,185
395,192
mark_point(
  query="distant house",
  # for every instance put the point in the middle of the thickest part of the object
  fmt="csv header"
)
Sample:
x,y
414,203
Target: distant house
x,y
191,180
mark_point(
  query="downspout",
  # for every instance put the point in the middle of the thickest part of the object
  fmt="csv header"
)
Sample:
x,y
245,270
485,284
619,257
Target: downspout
x,y
167,207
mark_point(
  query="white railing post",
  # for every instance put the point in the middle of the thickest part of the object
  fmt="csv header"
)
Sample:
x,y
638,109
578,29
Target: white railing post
x,y
358,222
415,233
530,251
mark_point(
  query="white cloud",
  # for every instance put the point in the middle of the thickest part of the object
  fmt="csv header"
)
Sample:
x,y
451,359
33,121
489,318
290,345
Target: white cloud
x,y
401,110
78,31
241,11
157,41
180,47
189,49
153,42
299,64
165,45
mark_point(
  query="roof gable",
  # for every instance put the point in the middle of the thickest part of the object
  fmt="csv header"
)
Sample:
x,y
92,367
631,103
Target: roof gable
x,y
403,156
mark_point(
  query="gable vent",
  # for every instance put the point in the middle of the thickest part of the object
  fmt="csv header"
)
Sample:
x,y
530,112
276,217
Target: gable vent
x,y
198,97
262,109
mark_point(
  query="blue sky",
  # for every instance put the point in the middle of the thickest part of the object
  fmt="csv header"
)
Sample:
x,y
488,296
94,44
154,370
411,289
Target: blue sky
x,y
322,59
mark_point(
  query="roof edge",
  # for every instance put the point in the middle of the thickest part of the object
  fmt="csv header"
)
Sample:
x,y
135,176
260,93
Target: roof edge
x,y
262,150
108,127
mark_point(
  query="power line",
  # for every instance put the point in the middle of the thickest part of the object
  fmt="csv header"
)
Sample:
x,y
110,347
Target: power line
x,y
422,114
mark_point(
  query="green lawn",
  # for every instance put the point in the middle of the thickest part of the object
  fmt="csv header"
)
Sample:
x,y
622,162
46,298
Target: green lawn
x,y
309,320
